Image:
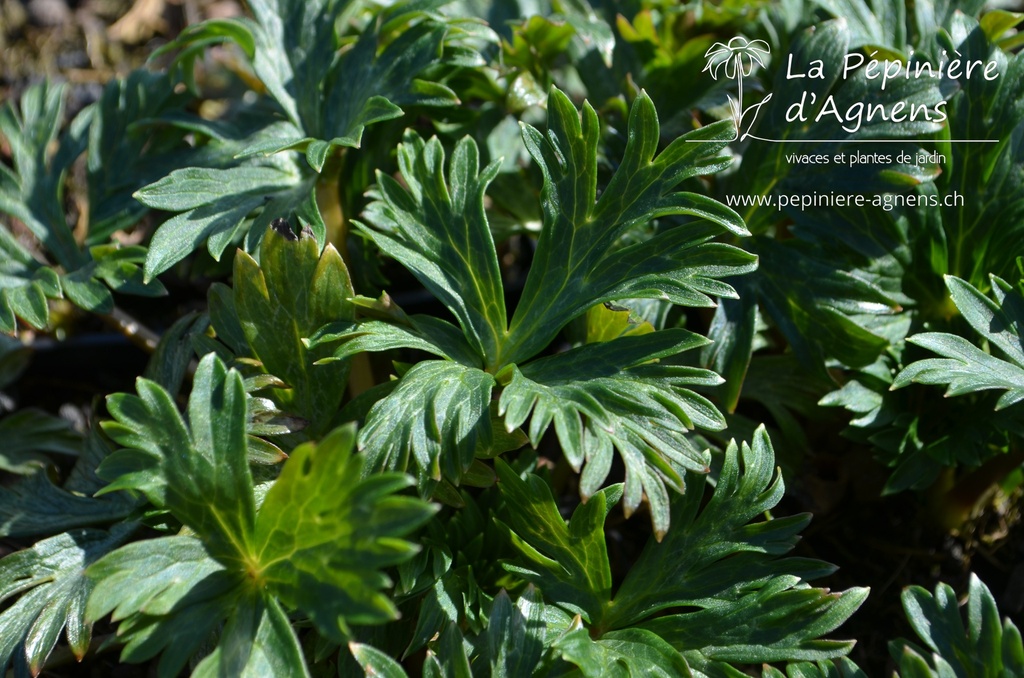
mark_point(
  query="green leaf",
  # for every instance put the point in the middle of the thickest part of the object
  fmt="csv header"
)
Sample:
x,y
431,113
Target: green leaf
x,y
986,647
217,205
591,31
439,232
319,543
832,111
436,227
30,436
815,304
715,589
14,359
732,332
376,663
783,620
615,395
965,368
257,640
131,144
515,634
424,333
630,652
567,561
25,286
33,192
576,264
36,506
323,534
715,551
294,290
50,578
197,469
168,595
328,95
439,415
984,175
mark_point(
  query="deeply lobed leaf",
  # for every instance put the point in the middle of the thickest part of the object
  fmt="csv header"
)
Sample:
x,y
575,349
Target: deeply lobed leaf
x,y
318,544
715,589
616,395
965,368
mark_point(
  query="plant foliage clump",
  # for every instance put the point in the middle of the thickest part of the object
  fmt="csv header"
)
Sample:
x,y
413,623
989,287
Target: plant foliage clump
x,y
472,362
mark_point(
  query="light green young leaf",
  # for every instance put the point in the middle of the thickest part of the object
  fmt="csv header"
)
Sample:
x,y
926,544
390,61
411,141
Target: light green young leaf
x,y
323,535
964,367
837,668
292,291
616,395
318,544
50,578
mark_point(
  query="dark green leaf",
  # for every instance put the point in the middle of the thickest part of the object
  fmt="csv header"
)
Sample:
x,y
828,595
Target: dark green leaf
x,y
567,561
986,647
616,395
50,578
965,368
626,653
29,437
576,264
438,231
439,414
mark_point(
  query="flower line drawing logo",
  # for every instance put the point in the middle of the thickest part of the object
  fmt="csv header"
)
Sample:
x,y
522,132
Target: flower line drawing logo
x,y
737,59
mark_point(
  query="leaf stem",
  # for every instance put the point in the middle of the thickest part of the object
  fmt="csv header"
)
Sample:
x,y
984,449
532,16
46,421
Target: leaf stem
x,y
135,331
328,201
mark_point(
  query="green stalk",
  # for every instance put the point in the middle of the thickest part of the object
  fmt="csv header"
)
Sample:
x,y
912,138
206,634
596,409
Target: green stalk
x,y
328,201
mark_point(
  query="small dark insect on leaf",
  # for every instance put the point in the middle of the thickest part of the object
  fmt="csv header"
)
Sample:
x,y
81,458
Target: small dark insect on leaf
x,y
614,307
284,228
